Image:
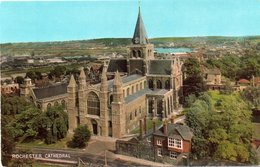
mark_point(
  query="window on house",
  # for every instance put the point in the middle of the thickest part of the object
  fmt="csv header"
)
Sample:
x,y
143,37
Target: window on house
x,y
173,155
136,113
159,142
175,143
159,152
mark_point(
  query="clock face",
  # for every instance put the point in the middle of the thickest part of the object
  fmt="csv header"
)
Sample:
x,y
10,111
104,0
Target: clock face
x,y
136,40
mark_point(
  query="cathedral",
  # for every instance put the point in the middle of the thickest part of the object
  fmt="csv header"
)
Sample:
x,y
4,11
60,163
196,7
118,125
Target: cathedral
x,y
139,86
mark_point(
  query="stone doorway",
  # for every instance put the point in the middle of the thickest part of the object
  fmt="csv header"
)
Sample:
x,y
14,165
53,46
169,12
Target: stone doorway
x,y
94,127
110,128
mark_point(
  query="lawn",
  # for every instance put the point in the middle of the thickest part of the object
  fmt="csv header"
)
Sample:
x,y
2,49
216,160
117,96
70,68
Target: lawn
x,y
39,143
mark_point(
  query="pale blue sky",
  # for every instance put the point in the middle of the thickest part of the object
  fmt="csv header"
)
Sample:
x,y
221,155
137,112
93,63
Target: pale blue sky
x,y
66,20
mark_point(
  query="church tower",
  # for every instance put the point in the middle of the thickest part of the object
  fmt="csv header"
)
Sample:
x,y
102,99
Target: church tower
x,y
118,116
71,107
141,47
25,87
104,102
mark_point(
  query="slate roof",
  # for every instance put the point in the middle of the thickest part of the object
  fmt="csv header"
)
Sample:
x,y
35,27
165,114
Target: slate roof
x,y
50,91
136,65
125,79
176,131
160,67
134,96
117,64
140,36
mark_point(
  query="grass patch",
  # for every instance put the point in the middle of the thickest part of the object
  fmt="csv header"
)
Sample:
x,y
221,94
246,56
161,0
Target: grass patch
x,y
39,143
256,130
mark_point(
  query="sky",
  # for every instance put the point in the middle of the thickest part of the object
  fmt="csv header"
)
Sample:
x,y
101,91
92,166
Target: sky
x,y
40,21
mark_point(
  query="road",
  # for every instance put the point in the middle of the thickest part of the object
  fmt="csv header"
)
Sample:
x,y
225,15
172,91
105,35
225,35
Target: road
x,y
96,160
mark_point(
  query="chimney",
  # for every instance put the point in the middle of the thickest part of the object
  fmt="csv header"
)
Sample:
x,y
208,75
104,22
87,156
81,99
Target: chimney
x,y
145,126
165,127
141,128
154,126
172,119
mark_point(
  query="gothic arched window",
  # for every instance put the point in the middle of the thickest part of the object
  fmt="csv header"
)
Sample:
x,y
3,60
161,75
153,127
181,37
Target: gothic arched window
x,y
93,104
167,84
159,107
39,106
150,106
150,84
48,105
56,103
134,53
159,84
63,103
139,53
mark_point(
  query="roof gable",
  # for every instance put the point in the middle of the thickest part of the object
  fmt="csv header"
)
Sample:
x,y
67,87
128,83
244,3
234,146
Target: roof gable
x,y
160,67
119,65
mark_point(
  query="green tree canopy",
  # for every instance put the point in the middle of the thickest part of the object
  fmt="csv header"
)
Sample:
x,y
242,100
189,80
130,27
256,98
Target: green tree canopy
x,y
222,130
80,137
52,125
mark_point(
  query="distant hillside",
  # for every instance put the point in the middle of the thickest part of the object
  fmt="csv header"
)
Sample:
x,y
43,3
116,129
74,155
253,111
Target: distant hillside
x,y
107,45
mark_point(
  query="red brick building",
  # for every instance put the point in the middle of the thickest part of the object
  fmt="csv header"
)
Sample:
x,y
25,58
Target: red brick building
x,y
172,141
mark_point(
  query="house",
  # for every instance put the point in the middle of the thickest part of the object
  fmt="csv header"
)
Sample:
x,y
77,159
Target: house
x,y
212,78
172,141
9,88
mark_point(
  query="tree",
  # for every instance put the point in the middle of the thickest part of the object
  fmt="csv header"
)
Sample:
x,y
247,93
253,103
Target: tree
x,y
80,137
52,125
222,131
7,141
12,105
252,95
58,71
193,83
34,75
19,79
23,125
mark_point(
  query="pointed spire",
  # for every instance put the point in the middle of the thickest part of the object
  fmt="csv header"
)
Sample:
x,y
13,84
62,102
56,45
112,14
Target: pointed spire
x,y
140,36
117,79
104,83
72,82
174,66
82,74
